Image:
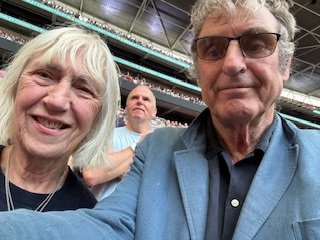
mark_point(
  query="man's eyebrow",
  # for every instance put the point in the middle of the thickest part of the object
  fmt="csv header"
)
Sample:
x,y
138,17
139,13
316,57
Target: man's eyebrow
x,y
133,96
255,30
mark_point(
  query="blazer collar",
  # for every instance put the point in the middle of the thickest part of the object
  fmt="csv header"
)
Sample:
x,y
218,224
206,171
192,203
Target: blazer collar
x,y
193,176
195,134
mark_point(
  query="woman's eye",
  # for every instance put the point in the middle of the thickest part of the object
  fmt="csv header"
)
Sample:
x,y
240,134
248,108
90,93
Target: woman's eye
x,y
86,90
44,77
43,74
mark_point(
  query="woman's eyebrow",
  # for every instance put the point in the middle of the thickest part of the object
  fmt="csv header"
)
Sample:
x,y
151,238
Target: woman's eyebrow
x,y
86,79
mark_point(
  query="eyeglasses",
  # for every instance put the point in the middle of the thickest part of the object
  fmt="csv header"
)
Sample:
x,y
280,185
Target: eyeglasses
x,y
257,45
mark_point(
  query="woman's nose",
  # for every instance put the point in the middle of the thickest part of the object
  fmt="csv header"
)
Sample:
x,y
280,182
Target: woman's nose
x,y
59,96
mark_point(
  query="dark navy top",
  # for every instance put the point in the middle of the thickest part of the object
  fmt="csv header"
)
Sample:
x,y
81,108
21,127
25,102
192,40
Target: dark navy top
x,y
72,195
229,183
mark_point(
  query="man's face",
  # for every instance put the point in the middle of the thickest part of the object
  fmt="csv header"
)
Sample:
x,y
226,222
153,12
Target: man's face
x,y
55,108
141,104
238,89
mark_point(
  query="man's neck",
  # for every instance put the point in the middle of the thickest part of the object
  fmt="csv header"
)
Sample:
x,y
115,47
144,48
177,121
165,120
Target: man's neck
x,y
139,127
241,139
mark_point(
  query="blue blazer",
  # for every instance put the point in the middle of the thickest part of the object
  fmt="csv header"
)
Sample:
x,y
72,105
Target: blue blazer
x,y
165,195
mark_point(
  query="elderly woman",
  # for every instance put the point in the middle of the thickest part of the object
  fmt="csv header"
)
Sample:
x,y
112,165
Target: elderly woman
x,y
58,98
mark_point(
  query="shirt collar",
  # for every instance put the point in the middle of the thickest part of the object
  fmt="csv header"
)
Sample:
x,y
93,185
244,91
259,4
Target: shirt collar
x,y
214,147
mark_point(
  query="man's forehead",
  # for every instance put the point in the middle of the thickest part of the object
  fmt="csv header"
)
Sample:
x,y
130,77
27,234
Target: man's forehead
x,y
144,91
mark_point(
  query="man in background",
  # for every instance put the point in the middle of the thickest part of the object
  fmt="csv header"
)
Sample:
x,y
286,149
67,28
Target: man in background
x,y
140,110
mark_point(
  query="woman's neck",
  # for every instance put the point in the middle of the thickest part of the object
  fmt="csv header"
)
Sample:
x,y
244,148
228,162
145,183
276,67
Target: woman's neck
x,y
31,174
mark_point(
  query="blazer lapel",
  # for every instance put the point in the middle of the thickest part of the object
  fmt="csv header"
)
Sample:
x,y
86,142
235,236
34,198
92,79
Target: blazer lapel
x,y
192,172
269,184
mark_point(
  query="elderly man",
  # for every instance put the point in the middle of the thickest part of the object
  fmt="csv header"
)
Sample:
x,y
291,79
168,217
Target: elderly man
x,y
240,171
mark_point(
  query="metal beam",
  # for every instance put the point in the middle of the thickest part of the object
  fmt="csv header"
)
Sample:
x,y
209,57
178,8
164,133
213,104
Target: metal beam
x,y
307,9
81,6
140,11
161,23
180,36
176,7
312,32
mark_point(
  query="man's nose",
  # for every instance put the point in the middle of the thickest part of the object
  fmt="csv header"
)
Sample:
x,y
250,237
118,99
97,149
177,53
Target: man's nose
x,y
140,100
234,60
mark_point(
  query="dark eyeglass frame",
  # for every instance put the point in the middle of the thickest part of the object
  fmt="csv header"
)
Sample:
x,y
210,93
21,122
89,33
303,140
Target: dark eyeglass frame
x,y
239,38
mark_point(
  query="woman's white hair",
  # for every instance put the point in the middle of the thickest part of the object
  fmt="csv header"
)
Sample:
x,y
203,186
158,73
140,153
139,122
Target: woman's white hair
x,y
279,8
62,44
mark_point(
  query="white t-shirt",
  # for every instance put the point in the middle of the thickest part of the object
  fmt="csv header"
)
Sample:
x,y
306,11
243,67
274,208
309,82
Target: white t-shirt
x,y
122,138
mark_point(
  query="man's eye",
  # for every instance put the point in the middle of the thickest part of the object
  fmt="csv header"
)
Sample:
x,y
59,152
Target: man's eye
x,y
256,46
213,52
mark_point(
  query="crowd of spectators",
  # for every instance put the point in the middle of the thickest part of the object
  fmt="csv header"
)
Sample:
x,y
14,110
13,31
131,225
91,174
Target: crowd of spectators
x,y
11,37
161,122
118,32
142,81
158,122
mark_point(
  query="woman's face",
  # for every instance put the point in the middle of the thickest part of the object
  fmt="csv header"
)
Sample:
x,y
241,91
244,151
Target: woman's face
x,y
55,108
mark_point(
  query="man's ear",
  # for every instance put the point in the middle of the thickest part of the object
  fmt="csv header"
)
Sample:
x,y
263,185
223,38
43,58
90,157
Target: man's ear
x,y
286,71
198,82
154,114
